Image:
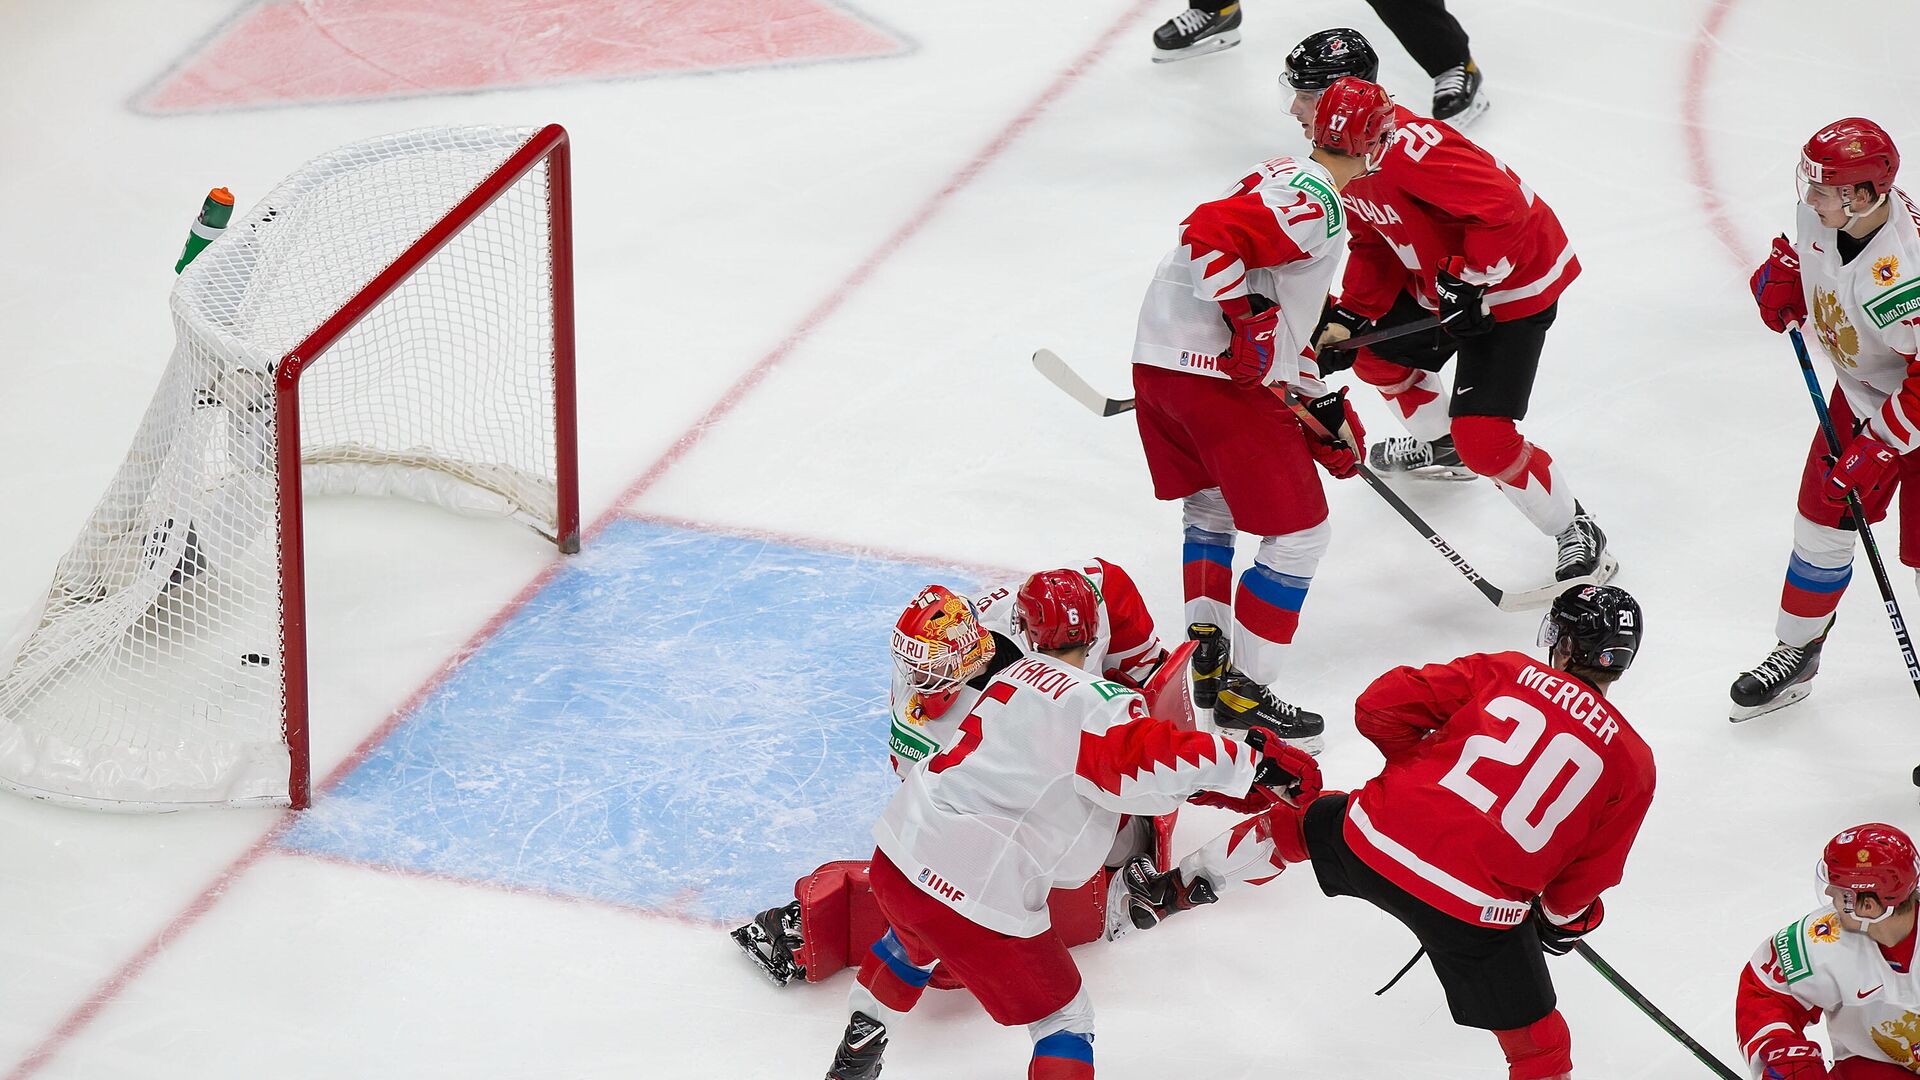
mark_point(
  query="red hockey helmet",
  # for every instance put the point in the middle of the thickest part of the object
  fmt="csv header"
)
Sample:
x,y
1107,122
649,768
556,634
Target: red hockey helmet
x,y
1871,858
1057,609
1848,152
937,641
1354,117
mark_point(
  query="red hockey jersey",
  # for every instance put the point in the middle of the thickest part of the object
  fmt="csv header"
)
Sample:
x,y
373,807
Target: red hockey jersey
x,y
1438,195
1506,780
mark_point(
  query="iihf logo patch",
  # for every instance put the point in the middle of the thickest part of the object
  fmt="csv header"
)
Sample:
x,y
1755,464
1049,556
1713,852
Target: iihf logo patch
x,y
925,872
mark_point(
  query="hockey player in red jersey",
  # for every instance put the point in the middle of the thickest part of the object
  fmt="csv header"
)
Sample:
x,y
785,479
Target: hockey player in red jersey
x,y
1852,267
1221,360
1851,959
946,649
1027,798
1512,792
1442,227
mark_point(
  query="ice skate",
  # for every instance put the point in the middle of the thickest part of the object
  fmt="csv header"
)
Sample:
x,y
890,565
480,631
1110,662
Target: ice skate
x,y
1783,678
770,941
1458,95
1436,460
1583,557
1209,663
1196,33
858,1057
1244,703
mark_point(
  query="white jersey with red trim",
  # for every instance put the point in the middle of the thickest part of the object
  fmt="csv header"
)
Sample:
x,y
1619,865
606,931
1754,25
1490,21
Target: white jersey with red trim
x,y
1125,647
1866,314
1029,795
1813,966
1278,232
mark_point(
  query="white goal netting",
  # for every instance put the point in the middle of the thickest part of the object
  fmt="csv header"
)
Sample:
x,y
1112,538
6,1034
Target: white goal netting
x,y
153,674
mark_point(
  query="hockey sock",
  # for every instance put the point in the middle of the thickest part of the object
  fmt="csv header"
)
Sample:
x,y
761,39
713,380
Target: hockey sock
x,y
1266,606
1493,447
889,983
1540,1051
1063,1041
1419,398
1817,575
1207,557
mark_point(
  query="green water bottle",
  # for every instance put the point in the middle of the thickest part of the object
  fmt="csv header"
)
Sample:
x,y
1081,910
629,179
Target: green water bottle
x,y
214,215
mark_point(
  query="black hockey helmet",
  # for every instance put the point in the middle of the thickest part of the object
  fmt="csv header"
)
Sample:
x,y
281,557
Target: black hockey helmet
x,y
1600,626
1328,56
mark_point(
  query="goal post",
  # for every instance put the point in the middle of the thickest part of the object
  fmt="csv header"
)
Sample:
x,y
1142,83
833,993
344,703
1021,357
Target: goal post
x,y
395,318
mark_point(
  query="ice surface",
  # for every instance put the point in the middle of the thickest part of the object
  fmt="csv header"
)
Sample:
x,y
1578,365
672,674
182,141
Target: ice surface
x,y
887,241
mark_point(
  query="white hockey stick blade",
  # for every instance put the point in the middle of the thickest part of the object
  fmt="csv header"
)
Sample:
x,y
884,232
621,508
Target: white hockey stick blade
x,y
1048,363
1535,599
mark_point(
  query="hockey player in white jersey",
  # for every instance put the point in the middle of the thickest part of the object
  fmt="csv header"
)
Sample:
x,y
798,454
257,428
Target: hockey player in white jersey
x,y
1851,960
1027,798
1854,267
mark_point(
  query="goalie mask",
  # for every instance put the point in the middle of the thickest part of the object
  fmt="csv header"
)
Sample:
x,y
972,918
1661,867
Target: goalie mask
x,y
1868,860
938,643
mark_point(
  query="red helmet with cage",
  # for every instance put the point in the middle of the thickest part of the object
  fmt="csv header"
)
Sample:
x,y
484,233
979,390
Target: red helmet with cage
x,y
1354,117
937,641
1850,151
1057,609
1871,858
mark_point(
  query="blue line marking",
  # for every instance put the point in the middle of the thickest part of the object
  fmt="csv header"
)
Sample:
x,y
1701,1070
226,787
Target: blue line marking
x,y
678,720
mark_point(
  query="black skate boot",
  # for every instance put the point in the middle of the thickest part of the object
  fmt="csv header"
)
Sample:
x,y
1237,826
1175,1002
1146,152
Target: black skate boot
x,y
1194,32
1244,703
1209,663
1583,551
1458,97
1436,460
770,941
858,1057
1780,680
1152,895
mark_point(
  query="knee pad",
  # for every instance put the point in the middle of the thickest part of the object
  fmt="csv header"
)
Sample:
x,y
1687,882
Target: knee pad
x,y
1490,445
1385,375
1540,1051
1075,1016
1822,545
1297,553
1207,511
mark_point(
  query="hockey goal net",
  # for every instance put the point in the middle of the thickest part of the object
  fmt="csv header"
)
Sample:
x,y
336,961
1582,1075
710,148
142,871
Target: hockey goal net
x,y
395,318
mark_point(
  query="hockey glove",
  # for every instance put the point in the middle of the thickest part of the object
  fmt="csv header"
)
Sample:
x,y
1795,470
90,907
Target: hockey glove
x,y
1790,1057
1257,800
1152,895
1337,324
1866,467
1252,319
1559,938
1288,770
1776,288
1461,305
1339,439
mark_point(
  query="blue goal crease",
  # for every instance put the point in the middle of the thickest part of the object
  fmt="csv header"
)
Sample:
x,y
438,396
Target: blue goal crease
x,y
678,720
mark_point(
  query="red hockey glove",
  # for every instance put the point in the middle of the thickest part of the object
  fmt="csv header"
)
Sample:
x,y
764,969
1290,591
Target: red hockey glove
x,y
1790,1057
1866,466
1257,800
1461,304
1776,288
1290,771
1559,938
1338,450
1253,319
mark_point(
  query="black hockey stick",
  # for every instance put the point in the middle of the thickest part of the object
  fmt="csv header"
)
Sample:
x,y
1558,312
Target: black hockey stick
x,y
1064,377
1653,1013
1860,518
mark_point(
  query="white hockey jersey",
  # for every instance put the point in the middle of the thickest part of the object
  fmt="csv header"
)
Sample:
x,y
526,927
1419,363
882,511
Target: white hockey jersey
x,y
1813,966
1029,796
1278,232
1124,646
1866,313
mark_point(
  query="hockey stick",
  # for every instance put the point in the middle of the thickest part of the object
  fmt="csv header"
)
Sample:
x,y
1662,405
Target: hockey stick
x,y
1860,518
1653,1013
1057,372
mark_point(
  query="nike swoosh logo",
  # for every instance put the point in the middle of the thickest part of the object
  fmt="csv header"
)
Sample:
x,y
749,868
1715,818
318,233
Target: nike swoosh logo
x,y
1863,994
1462,389
1817,247
861,1044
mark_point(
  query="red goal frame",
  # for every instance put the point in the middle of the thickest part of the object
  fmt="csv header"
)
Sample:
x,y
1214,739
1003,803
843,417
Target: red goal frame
x,y
549,147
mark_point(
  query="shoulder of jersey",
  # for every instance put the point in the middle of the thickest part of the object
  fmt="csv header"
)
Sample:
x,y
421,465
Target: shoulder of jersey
x,y
1082,682
1800,943
1892,279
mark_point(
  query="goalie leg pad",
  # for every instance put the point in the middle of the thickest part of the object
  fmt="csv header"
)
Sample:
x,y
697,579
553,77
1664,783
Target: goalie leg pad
x,y
1542,1050
838,916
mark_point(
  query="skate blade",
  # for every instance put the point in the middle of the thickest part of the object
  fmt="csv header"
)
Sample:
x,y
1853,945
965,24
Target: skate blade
x,y
1220,42
1742,713
744,938
1471,113
1312,744
1446,473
